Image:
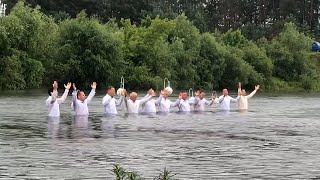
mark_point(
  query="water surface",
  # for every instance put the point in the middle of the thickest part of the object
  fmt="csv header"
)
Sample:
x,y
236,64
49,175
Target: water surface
x,y
278,138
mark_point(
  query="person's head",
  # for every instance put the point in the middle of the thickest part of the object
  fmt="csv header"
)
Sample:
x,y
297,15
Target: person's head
x,y
133,96
243,92
201,94
50,90
111,91
81,95
165,93
55,85
184,95
225,91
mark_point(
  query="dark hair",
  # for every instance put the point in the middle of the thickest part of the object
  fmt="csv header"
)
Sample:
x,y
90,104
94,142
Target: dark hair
x,y
201,90
50,90
110,87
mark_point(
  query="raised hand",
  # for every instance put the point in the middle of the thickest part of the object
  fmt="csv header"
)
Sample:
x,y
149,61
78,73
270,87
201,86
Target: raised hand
x,y
124,92
68,86
197,93
151,92
74,86
257,87
239,85
180,96
94,85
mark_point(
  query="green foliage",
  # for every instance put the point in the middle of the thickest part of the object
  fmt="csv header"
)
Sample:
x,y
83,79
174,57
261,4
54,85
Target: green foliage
x,y
87,52
288,53
36,48
123,174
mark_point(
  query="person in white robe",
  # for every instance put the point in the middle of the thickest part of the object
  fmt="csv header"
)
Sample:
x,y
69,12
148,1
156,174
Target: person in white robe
x,y
183,103
80,101
53,101
243,97
200,101
132,104
225,100
110,103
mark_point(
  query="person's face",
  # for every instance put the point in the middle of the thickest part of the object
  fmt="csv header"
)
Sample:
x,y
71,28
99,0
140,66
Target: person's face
x,y
111,92
81,96
133,98
225,92
165,94
184,96
243,92
201,95
55,85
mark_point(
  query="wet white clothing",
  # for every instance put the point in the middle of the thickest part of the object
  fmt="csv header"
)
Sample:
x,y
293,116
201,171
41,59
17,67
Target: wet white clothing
x,y
243,100
81,108
225,102
110,104
53,104
133,107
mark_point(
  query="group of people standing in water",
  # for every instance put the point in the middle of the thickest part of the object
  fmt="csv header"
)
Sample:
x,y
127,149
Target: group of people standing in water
x,y
148,104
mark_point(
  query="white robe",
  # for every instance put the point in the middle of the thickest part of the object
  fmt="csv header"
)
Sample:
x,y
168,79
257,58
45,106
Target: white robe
x,y
110,104
81,108
243,100
184,105
53,104
133,107
200,104
165,104
225,102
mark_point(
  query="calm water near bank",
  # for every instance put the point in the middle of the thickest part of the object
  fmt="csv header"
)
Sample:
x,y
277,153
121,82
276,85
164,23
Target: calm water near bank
x,y
278,138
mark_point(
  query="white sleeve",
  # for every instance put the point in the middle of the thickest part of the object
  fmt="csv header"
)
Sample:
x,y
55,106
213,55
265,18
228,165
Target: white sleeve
x,y
251,94
221,98
106,100
145,99
177,103
195,101
91,95
63,97
158,101
49,101
233,99
74,99
119,101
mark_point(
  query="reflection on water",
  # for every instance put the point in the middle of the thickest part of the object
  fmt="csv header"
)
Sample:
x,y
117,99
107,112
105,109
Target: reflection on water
x,y
276,139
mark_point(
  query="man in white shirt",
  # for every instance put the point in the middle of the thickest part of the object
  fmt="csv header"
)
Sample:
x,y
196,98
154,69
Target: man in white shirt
x,y
110,103
225,100
243,98
164,102
150,106
80,101
53,101
133,104
183,103
200,102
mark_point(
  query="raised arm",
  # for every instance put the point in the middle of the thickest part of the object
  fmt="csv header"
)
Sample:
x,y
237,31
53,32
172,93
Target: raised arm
x,y
74,96
92,92
221,98
158,101
119,101
239,89
256,88
65,94
106,100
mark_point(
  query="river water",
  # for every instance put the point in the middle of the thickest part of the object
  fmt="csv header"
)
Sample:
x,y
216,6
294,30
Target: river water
x,y
278,138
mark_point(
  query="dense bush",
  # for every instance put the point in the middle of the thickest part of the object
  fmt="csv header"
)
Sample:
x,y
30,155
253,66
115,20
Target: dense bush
x,y
34,50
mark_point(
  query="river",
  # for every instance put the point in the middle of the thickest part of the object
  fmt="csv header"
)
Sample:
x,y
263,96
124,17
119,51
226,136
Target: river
x,y
278,138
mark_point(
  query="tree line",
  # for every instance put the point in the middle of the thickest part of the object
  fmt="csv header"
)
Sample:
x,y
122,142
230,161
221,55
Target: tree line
x,y
256,18
36,48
